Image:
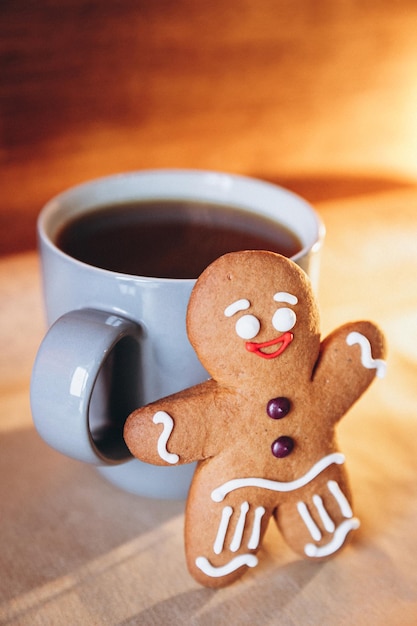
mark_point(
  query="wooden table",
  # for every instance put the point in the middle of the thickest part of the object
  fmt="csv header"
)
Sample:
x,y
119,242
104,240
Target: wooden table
x,y
318,96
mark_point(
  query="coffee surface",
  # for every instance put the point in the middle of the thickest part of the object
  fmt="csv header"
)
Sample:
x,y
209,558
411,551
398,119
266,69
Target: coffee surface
x,y
169,238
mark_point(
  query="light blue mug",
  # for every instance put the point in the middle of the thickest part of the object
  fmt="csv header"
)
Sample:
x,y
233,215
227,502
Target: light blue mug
x,y
117,341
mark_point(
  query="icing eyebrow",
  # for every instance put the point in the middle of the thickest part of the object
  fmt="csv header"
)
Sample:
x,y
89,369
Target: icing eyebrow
x,y
283,296
239,305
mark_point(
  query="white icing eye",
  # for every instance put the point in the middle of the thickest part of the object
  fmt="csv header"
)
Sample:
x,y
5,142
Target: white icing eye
x,y
247,326
284,319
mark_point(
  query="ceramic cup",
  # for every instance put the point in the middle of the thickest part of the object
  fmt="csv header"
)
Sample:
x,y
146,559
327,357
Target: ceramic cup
x,y
118,341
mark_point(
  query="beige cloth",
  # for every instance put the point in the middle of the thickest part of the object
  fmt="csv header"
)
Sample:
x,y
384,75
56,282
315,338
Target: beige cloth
x,y
76,550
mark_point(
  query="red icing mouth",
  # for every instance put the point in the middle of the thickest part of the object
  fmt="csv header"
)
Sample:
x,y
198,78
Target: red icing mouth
x,y
259,348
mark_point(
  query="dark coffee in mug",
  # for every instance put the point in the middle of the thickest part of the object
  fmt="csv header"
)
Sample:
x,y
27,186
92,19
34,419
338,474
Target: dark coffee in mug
x,y
169,238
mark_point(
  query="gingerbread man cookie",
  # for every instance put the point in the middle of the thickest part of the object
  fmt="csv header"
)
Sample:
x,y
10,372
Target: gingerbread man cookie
x,y
263,426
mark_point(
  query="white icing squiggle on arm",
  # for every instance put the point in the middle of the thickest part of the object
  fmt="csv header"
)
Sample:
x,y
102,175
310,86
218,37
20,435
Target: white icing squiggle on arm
x,y
161,417
366,354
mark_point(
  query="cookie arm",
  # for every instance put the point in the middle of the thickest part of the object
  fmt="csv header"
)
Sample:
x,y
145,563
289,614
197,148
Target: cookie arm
x,y
173,430
350,358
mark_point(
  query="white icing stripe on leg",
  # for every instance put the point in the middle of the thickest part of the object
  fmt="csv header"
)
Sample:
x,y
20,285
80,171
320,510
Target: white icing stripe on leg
x,y
328,523
256,530
340,498
223,526
366,353
217,495
215,572
240,527
161,417
336,542
308,521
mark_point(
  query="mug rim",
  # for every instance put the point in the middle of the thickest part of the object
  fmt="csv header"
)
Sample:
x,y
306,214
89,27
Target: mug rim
x,y
237,191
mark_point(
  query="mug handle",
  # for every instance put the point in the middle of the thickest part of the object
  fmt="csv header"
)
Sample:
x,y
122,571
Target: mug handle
x,y
84,385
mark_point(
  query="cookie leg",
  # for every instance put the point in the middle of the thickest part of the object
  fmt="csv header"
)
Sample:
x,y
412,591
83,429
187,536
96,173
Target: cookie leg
x,y
319,522
221,546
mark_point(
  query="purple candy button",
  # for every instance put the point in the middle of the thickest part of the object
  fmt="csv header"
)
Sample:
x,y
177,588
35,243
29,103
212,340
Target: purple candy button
x,y
278,408
282,447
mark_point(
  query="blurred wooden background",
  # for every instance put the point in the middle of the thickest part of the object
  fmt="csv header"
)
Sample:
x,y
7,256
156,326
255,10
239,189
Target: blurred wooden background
x,y
320,95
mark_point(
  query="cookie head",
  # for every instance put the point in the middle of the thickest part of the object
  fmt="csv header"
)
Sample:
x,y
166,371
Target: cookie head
x,y
251,314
